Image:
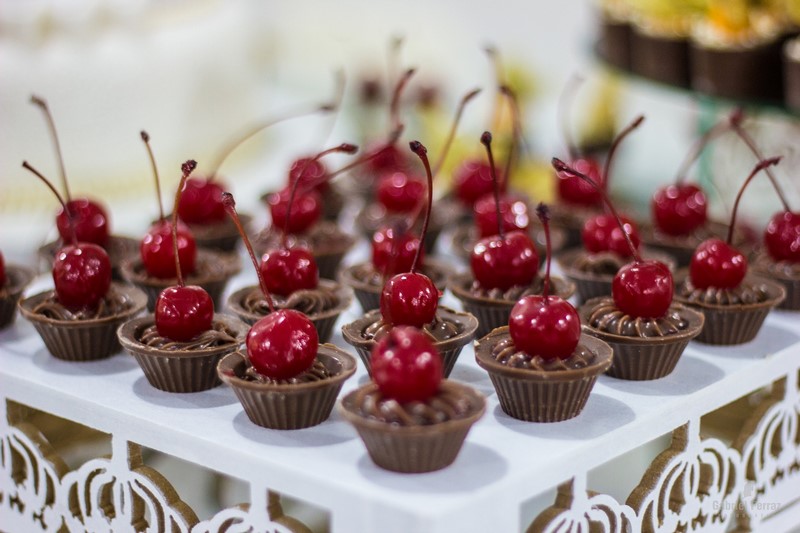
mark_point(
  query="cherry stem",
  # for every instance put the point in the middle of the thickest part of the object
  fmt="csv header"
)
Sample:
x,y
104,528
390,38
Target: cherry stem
x,y
564,104
394,107
486,140
543,212
73,235
694,153
422,152
146,139
393,59
393,137
754,148
51,125
615,144
340,83
494,60
453,129
516,136
186,169
764,164
560,166
230,207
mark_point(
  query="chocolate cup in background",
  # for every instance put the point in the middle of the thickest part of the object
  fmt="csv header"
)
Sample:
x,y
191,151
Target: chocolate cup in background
x,y
181,370
17,278
448,349
82,340
542,395
465,236
728,325
369,295
222,235
590,285
645,358
119,250
414,449
570,219
332,204
323,321
791,284
494,312
791,75
374,216
289,406
213,269
663,58
682,247
614,44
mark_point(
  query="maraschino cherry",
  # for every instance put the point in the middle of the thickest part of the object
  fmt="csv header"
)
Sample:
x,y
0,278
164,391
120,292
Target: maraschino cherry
x,y
182,311
284,343
394,249
716,263
156,248
406,366
86,218
545,325
81,270
505,259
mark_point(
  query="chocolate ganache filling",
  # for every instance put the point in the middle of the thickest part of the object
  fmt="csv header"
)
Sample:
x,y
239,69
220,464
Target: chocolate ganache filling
x,y
601,264
317,372
113,303
507,354
447,404
218,335
747,292
309,302
366,273
606,317
441,329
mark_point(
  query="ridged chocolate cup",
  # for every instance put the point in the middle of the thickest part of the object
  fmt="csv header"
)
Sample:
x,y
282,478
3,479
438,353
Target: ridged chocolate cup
x,y
465,236
17,278
289,406
681,248
323,321
369,295
182,370
213,269
645,358
448,349
414,449
660,58
542,395
493,313
119,249
222,236
761,266
590,285
614,44
728,325
82,340
791,75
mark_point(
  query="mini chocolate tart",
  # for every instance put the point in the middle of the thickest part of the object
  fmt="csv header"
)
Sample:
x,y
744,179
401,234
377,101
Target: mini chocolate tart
x,y
322,305
222,235
791,73
119,250
784,272
367,283
644,348
465,236
614,42
83,336
534,389
17,278
374,216
189,366
334,201
733,316
493,307
212,271
300,402
593,274
660,55
418,436
325,240
450,332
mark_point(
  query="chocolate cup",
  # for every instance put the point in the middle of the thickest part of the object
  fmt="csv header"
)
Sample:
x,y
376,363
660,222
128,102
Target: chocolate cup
x,y
222,236
542,395
323,321
494,312
645,358
791,77
82,340
728,325
465,236
660,58
682,247
449,349
17,278
614,44
373,217
790,284
213,269
289,406
119,250
414,449
179,370
369,295
590,285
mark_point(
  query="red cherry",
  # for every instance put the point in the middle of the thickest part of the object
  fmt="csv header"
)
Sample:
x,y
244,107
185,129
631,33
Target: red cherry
x,y
310,172
782,237
513,213
283,344
400,192
643,289
472,180
393,251
385,159
201,202
715,263
679,209
183,312
603,234
158,254
572,190
306,210
503,262
545,326
82,275
406,366
90,222
409,299
2,271
288,270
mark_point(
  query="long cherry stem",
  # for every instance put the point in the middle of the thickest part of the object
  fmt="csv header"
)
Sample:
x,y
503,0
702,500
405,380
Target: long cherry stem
x,y
186,169
754,148
764,164
394,106
146,139
51,125
697,148
486,140
72,234
230,208
615,144
560,166
453,129
564,105
422,152
516,132
543,212
499,78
